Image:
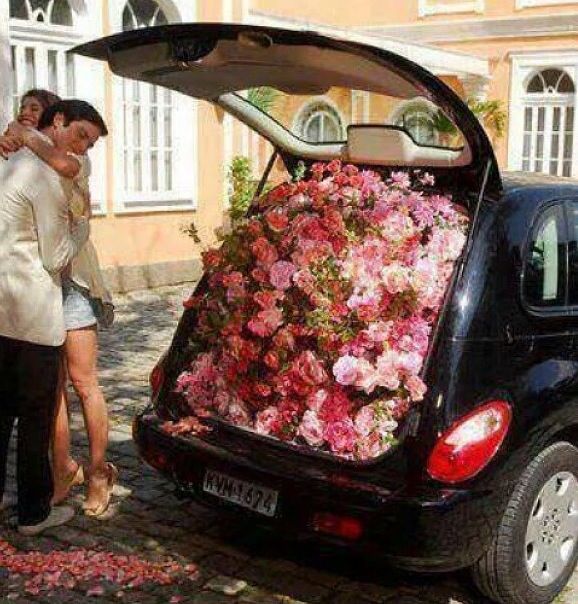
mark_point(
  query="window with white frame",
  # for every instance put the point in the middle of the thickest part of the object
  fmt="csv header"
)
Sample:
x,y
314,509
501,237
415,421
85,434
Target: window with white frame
x,y
319,122
150,176
40,33
548,123
448,7
417,117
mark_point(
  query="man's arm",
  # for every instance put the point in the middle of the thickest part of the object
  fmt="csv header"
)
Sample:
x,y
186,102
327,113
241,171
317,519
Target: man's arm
x,y
58,243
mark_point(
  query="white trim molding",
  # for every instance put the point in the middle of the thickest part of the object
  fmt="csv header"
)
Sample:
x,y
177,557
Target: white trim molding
x,y
531,3
438,60
427,8
519,26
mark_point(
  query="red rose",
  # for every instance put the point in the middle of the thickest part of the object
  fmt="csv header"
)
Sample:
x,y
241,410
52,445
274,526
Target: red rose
x,y
277,221
262,389
271,359
211,258
309,368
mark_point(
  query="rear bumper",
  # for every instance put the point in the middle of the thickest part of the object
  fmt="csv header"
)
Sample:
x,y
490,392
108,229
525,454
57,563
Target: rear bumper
x,y
427,529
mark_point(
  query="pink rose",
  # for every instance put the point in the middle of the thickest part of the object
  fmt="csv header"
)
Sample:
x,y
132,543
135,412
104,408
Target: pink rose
x,y
268,421
309,368
264,252
409,363
238,414
284,339
280,274
266,322
365,420
416,388
345,370
336,406
340,435
315,401
396,278
266,299
401,179
304,280
372,446
311,428
427,179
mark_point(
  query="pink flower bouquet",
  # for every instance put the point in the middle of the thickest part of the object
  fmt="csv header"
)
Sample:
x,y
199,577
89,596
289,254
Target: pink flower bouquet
x,y
319,309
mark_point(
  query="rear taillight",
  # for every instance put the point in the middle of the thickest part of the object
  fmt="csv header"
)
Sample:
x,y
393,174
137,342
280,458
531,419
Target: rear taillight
x,y
156,379
338,526
467,447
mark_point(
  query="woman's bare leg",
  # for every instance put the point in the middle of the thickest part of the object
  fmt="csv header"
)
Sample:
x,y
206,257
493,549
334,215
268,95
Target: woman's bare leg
x,y
63,465
82,356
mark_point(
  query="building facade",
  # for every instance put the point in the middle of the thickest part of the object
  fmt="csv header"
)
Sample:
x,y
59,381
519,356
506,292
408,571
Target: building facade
x,y
165,161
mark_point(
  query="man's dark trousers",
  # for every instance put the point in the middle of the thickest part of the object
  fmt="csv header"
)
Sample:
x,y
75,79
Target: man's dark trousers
x,y
28,383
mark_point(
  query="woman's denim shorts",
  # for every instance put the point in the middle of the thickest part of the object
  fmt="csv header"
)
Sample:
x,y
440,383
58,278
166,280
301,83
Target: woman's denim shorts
x,y
78,307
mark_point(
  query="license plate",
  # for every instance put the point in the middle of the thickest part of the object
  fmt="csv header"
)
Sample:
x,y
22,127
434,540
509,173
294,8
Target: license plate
x,y
246,494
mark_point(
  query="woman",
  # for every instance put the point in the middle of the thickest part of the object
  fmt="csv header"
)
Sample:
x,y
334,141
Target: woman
x,y
85,301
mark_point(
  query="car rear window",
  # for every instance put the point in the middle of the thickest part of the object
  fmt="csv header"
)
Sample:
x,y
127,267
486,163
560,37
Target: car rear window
x,y
544,273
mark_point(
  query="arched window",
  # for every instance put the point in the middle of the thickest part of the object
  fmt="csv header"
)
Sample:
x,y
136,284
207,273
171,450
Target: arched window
x,y
53,12
417,118
142,13
148,120
549,123
38,52
319,122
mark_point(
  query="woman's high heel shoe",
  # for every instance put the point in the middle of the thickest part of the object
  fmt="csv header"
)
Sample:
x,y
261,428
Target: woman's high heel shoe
x,y
100,508
71,480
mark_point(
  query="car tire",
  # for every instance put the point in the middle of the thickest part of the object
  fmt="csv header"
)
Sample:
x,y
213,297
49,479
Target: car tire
x,y
532,556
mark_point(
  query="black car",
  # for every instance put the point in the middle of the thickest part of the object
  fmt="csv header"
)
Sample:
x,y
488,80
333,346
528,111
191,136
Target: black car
x,y
485,474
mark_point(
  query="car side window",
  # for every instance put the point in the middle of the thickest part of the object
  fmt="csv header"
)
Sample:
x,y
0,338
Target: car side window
x,y
573,253
544,271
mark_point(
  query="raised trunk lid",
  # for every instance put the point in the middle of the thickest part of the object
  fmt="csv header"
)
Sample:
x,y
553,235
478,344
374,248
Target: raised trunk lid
x,y
215,62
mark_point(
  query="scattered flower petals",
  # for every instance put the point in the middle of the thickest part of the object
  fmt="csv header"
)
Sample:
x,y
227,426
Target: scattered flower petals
x,y
67,569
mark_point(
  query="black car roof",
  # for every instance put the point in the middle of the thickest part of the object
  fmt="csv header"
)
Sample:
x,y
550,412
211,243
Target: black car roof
x,y
530,181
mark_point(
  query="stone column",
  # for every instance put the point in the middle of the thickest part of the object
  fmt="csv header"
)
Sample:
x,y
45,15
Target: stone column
x,y
5,68
475,87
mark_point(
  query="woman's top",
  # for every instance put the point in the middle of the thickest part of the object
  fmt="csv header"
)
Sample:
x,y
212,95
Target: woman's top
x,y
85,268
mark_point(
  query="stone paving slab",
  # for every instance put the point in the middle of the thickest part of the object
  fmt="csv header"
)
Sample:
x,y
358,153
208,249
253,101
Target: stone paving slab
x,y
236,565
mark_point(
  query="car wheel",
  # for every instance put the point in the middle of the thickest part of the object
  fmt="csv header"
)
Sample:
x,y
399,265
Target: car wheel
x,y
535,550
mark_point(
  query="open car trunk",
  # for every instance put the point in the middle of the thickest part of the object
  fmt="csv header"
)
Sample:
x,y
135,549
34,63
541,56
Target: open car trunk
x,y
312,324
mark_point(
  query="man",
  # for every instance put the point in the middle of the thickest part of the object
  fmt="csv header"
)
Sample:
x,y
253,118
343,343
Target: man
x,y
36,243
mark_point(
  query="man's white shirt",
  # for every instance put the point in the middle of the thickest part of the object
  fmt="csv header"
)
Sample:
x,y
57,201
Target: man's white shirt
x,y
36,243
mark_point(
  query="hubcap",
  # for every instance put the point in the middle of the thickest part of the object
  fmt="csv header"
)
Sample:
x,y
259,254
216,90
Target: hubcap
x,y
552,530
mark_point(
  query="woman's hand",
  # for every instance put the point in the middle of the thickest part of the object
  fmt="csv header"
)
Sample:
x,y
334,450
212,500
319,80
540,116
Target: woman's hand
x,y
17,130
13,139
9,144
87,213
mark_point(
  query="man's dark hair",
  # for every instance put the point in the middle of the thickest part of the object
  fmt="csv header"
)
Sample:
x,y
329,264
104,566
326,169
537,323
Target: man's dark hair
x,y
44,97
73,110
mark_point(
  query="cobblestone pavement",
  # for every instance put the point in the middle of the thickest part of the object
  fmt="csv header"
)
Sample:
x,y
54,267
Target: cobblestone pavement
x,y
236,564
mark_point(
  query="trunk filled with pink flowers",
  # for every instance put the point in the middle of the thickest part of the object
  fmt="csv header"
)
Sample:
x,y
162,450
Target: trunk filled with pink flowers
x,y
319,310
